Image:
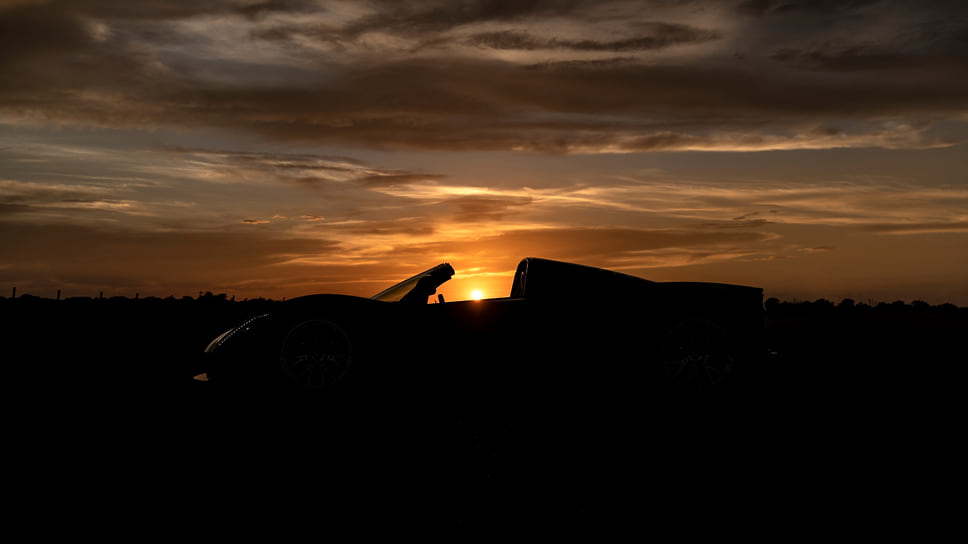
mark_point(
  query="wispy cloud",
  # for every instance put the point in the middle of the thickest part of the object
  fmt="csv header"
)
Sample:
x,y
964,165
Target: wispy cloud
x,y
659,36
919,228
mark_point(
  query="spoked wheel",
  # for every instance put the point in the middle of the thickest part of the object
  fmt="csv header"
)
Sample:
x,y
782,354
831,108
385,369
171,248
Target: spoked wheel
x,y
316,354
697,356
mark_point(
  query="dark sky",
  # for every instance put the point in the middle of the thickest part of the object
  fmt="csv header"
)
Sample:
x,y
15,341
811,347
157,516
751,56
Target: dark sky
x,y
277,148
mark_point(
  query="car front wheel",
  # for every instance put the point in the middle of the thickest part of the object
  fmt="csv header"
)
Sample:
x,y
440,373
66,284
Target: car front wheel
x,y
316,354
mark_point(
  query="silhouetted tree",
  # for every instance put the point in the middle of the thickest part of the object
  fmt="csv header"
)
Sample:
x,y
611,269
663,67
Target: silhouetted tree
x,y
948,308
823,304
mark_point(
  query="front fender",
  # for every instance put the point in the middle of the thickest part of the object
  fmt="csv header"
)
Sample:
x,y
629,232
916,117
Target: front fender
x,y
242,353
235,336
249,354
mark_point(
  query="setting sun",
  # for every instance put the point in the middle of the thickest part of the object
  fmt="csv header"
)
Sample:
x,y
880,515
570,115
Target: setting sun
x,y
477,294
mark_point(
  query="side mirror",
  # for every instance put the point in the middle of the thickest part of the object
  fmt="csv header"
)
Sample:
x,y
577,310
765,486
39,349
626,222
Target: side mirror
x,y
440,298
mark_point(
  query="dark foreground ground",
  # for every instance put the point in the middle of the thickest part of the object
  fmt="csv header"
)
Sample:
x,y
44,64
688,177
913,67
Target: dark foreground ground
x,y
854,429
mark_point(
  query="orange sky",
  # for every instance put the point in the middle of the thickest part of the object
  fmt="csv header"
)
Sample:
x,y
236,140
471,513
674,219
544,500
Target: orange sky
x,y
291,147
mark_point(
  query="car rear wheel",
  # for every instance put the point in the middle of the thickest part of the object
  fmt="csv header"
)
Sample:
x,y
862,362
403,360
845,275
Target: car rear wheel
x,y
316,354
698,356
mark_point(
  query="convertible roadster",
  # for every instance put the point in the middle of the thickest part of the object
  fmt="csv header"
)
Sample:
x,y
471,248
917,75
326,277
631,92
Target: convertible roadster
x,y
562,327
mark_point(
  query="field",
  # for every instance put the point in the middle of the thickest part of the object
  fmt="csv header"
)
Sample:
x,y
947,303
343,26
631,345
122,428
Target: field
x,y
859,406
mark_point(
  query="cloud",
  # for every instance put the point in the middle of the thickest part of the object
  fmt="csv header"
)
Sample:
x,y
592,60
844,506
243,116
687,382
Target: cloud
x,y
308,171
496,253
747,224
917,49
595,246
547,90
778,7
858,57
661,35
30,193
930,227
474,209
38,201
393,16
163,11
85,260
390,179
196,189
265,7
600,245
395,229
30,31
624,107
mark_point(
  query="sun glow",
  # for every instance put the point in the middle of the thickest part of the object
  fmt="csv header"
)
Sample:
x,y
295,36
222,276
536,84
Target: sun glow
x,y
476,294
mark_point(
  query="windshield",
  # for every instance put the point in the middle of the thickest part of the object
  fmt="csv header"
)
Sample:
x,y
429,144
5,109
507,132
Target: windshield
x,y
435,277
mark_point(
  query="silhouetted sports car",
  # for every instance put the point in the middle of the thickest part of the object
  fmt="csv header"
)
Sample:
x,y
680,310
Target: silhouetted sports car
x,y
563,327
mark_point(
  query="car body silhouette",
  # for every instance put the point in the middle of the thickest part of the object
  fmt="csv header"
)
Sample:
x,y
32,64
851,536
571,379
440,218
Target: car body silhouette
x,y
563,326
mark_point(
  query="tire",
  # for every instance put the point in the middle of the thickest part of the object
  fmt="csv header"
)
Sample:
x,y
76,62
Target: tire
x,y
698,356
316,354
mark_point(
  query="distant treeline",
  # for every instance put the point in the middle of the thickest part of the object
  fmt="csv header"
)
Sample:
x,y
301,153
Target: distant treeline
x,y
92,340
849,306
773,304
207,296
205,304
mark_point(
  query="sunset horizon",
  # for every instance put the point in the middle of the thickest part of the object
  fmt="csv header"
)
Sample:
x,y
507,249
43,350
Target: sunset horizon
x,y
286,148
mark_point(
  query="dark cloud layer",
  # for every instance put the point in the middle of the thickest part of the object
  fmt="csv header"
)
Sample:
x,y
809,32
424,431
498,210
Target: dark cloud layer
x,y
59,65
777,7
660,35
486,105
420,17
161,10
